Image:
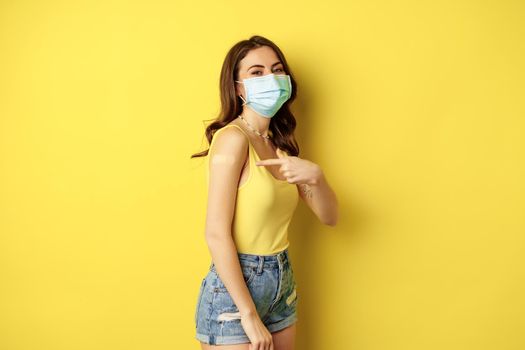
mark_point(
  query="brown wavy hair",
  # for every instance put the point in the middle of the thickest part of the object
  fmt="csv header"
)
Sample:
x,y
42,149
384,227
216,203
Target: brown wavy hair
x,y
282,124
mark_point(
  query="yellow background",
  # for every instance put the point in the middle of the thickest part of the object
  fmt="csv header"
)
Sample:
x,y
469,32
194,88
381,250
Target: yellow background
x,y
414,110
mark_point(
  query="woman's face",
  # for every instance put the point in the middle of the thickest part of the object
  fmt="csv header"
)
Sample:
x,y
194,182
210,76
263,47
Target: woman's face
x,y
258,62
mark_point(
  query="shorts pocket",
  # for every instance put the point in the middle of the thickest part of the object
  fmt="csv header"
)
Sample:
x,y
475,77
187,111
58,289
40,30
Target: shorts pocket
x,y
248,273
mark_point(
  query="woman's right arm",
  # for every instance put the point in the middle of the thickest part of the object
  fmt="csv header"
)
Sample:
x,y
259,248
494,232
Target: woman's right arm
x,y
226,158
227,155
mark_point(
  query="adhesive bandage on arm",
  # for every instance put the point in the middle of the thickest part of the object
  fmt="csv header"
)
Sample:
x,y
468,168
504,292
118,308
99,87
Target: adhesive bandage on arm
x,y
226,159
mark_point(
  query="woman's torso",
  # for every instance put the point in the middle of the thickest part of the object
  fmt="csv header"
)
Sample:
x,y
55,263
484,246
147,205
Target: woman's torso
x,y
265,204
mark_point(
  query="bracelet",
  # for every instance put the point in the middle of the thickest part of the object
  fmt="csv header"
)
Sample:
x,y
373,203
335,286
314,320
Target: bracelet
x,y
306,190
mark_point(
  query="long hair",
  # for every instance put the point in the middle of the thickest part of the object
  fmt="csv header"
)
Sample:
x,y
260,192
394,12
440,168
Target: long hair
x,y
282,124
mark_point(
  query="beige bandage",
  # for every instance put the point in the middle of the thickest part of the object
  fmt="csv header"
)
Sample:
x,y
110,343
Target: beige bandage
x,y
227,159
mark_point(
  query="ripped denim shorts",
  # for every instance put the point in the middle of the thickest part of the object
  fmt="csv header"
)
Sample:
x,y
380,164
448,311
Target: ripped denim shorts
x,y
272,285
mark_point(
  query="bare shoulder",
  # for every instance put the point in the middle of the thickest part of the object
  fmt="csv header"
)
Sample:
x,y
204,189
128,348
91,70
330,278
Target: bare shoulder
x,y
229,139
233,130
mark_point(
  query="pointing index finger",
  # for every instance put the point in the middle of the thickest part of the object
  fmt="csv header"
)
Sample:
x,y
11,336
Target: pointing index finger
x,y
271,161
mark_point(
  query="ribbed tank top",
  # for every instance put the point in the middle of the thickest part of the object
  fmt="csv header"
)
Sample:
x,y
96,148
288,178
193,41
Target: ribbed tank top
x,y
264,207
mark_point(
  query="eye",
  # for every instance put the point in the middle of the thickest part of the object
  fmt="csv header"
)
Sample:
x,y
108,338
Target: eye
x,y
255,72
279,69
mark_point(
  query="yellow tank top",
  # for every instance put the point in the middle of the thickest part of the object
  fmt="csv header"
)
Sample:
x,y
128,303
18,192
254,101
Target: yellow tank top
x,y
264,207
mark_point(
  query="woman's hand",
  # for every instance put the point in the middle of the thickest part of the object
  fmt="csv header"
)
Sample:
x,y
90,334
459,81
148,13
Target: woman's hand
x,y
295,169
311,181
260,337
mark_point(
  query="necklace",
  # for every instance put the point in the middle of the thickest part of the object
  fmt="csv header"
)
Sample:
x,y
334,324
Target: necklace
x,y
252,129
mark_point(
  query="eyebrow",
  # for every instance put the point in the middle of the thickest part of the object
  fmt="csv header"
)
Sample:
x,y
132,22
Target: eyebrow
x,y
258,65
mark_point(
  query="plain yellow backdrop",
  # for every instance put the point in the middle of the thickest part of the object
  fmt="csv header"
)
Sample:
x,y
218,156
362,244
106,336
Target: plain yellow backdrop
x,y
414,110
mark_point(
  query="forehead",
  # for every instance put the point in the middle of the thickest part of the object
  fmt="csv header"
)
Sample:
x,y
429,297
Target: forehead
x,y
264,55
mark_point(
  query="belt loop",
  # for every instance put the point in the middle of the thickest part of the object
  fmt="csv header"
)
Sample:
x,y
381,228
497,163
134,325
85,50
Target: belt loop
x,y
261,264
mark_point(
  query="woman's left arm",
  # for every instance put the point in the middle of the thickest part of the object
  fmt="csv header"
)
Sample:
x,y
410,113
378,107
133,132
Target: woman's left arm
x,y
311,183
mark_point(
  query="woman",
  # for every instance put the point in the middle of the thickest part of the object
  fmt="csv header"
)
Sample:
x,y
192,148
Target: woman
x,y
254,182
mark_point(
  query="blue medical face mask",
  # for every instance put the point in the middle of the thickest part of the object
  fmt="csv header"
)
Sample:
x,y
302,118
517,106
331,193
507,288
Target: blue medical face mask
x,y
266,94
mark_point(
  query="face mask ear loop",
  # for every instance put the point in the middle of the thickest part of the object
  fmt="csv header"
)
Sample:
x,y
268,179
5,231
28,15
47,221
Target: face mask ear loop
x,y
244,101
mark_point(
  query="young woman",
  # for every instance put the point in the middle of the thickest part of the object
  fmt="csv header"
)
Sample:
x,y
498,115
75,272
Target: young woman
x,y
255,180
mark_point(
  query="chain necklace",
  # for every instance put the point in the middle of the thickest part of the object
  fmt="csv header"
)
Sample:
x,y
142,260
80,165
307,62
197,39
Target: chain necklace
x,y
252,129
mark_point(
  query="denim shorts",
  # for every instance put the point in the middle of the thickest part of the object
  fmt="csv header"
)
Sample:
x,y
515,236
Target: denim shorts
x,y
271,283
